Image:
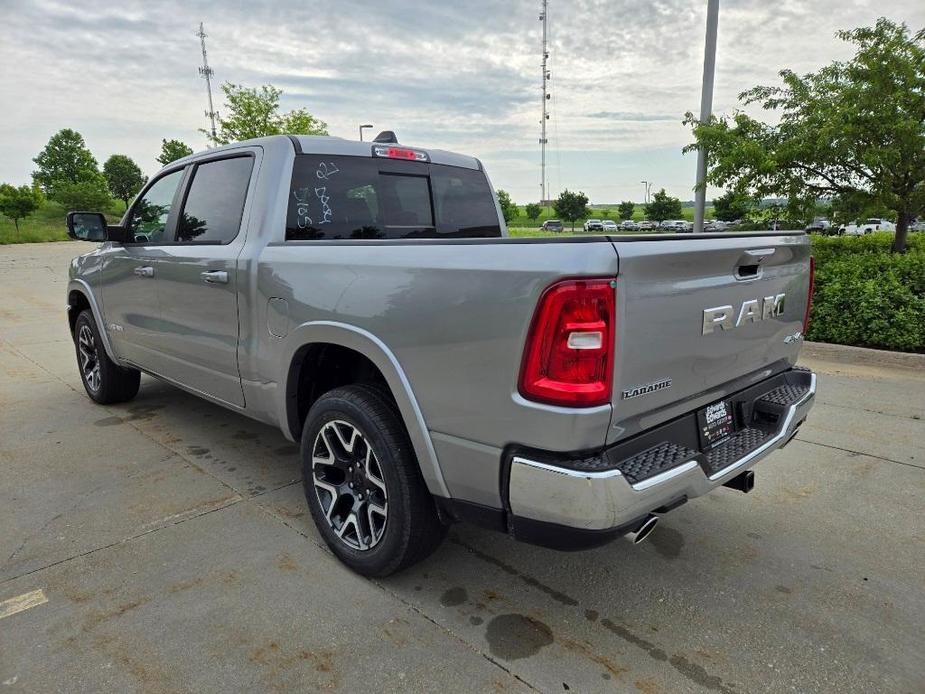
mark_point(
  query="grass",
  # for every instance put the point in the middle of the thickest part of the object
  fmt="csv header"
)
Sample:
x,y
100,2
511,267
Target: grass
x,y
46,224
521,221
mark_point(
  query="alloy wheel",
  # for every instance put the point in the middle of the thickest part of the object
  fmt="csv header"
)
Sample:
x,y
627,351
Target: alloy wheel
x,y
349,485
89,358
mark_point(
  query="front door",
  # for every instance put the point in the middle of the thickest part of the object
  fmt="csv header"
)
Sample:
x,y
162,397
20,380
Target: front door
x,y
198,280
129,271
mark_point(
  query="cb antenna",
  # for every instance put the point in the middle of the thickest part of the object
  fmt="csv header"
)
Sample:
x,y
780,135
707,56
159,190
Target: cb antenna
x,y
206,72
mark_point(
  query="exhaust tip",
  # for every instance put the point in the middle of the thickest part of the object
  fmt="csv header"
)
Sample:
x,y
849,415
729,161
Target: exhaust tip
x,y
643,531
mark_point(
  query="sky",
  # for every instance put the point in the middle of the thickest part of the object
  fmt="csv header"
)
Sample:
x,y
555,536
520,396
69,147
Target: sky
x,y
461,75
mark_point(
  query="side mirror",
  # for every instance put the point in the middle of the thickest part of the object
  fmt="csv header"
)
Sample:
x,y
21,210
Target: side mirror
x,y
86,226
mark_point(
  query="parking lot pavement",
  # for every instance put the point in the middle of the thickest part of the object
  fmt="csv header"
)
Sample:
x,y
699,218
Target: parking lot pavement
x,y
164,545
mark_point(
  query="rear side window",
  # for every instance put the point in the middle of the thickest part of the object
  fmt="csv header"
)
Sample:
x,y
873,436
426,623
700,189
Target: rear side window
x,y
371,198
215,201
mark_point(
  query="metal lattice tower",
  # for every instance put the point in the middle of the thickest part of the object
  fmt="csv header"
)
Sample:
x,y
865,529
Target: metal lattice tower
x,y
206,72
545,116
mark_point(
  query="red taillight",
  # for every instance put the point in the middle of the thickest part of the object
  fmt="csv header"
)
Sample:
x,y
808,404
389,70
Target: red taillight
x,y
568,358
809,295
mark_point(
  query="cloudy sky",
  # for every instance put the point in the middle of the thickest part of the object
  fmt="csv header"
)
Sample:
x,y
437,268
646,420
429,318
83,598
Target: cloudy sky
x,y
461,75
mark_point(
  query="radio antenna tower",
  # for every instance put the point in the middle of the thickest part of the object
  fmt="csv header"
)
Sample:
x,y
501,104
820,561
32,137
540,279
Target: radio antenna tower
x,y
206,72
546,95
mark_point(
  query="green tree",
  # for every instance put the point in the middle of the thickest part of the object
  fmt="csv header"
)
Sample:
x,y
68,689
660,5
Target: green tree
x,y
123,176
627,209
18,203
662,207
171,150
731,205
571,206
254,112
533,211
604,212
508,208
65,160
854,131
84,195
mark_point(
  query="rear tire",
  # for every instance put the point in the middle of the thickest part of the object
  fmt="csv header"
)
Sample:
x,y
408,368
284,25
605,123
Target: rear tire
x,y
105,381
363,484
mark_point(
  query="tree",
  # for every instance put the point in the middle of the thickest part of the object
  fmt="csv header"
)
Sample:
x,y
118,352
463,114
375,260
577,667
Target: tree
x,y
508,208
731,206
255,113
533,211
627,209
571,206
65,159
853,131
171,150
123,177
18,203
662,207
85,195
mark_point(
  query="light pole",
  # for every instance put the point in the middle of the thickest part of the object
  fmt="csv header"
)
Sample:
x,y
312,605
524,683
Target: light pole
x,y
648,185
361,130
706,109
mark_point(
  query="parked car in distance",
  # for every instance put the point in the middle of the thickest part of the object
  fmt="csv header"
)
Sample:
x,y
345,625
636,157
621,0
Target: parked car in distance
x,y
646,225
552,225
868,226
555,389
918,225
818,226
609,225
714,225
628,225
673,226
594,225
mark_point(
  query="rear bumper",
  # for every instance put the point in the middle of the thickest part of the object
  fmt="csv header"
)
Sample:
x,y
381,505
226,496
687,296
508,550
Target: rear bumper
x,y
601,496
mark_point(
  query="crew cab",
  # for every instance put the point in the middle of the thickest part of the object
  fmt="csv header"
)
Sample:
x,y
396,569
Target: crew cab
x,y
367,300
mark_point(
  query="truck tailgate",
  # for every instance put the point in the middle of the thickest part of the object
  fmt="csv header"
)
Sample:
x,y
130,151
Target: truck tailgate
x,y
700,317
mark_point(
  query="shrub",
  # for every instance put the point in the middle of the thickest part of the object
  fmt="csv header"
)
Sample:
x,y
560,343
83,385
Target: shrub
x,y
866,295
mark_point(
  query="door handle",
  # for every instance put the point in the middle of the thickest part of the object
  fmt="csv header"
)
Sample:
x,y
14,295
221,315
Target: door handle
x,y
146,271
216,277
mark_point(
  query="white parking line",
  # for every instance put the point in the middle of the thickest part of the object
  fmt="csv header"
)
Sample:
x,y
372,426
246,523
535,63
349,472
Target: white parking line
x,y
22,602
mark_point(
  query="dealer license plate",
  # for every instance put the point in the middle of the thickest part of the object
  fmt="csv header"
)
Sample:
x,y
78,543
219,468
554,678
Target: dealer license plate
x,y
716,424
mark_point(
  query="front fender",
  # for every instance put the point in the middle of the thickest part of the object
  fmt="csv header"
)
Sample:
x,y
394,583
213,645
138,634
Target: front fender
x,y
80,285
376,351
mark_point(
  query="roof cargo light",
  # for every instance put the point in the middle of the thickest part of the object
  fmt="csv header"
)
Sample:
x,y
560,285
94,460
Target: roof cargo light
x,y
400,153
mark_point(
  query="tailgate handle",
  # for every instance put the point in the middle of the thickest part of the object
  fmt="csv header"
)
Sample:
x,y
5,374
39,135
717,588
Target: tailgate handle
x,y
748,266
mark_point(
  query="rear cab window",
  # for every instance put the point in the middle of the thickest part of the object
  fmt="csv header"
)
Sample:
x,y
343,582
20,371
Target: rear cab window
x,y
343,197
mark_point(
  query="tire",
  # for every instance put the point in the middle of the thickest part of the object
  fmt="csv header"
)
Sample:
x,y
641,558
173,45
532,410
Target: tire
x,y
105,381
387,520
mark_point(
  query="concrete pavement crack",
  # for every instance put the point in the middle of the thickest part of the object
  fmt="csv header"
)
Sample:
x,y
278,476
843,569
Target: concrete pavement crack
x,y
868,455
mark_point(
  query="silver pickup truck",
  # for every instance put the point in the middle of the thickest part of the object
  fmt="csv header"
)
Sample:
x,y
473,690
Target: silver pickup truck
x,y
366,299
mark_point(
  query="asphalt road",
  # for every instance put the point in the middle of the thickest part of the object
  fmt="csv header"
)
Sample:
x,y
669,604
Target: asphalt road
x,y
164,546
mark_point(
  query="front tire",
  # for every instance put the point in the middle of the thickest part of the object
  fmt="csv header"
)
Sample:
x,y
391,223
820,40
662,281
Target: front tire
x,y
105,381
363,484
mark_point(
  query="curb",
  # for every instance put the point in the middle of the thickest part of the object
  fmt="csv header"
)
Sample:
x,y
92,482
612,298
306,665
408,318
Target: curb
x,y
863,355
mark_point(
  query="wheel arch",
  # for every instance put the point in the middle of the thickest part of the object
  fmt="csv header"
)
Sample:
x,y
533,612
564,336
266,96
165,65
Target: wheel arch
x,y
79,298
302,344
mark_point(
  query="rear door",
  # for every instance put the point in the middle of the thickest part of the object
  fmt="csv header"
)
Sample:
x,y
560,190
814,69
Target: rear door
x,y
701,317
198,279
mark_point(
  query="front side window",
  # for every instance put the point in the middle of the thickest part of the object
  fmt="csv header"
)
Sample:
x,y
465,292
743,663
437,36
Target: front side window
x,y
215,201
148,220
372,198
